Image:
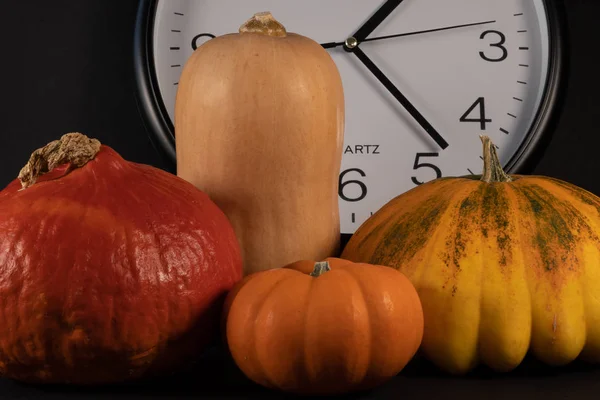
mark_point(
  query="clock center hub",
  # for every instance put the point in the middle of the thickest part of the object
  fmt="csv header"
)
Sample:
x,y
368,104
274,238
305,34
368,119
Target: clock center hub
x,y
351,43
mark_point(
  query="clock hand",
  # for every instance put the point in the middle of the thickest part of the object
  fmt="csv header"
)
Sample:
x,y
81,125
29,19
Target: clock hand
x,y
330,45
400,97
376,19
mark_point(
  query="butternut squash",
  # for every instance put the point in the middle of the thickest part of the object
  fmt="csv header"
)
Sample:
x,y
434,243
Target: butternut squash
x,y
259,126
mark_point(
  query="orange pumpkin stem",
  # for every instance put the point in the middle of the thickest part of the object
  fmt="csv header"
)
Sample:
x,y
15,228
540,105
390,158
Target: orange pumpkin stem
x,y
320,268
263,23
492,169
74,148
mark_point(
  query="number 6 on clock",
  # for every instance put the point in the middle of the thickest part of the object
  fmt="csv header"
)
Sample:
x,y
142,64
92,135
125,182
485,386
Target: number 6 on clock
x,y
344,184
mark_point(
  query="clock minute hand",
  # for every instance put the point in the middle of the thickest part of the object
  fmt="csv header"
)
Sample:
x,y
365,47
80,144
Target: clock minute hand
x,y
330,45
431,131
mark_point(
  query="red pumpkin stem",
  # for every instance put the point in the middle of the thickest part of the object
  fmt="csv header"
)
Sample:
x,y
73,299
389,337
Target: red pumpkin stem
x,y
74,148
320,268
492,169
263,23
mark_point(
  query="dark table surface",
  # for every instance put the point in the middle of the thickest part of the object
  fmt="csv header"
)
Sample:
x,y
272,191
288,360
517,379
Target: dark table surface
x,y
216,377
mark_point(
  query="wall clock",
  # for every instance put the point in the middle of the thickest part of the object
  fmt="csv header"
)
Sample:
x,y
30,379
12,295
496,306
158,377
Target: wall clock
x,y
422,79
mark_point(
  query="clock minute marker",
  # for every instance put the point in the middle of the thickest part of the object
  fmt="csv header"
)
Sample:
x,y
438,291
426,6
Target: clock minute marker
x,y
511,115
471,172
522,83
523,48
503,130
517,99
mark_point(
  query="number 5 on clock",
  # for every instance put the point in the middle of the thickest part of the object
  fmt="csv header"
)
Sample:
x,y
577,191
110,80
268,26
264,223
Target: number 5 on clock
x,y
419,164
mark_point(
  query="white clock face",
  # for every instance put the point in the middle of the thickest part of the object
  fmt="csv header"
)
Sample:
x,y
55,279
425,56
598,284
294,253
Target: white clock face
x,y
485,78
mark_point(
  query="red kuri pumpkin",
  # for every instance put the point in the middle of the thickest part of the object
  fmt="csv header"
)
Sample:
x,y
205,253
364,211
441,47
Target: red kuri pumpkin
x,y
109,270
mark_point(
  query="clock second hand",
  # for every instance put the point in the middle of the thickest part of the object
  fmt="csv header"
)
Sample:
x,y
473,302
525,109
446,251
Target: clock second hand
x,y
431,131
331,45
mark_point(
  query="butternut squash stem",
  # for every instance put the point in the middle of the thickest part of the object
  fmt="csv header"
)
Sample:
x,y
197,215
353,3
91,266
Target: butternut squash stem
x,y
320,268
73,148
265,24
492,169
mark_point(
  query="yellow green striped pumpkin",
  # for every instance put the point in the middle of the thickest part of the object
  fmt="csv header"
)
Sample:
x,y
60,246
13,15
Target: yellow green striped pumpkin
x,y
503,264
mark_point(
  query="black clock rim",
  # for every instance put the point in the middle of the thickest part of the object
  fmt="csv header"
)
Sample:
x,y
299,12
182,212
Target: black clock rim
x,y
149,101
550,109
161,129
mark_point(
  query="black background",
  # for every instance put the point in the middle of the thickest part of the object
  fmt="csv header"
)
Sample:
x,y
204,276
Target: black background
x,y
67,66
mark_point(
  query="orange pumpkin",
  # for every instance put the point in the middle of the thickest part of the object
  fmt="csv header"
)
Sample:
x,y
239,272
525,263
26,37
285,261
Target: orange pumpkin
x,y
329,327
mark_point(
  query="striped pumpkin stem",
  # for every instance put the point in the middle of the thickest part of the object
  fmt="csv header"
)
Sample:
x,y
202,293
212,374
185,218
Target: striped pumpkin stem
x,y
492,169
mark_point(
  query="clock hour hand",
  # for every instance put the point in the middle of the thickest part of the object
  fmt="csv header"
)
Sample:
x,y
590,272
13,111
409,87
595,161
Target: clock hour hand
x,y
400,97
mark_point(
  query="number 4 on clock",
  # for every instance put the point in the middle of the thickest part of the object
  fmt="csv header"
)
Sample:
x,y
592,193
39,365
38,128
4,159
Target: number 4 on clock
x,y
480,102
